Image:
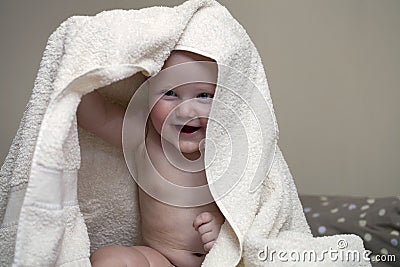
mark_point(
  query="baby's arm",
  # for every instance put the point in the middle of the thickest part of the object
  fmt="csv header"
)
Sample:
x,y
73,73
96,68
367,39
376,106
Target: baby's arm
x,y
208,224
101,117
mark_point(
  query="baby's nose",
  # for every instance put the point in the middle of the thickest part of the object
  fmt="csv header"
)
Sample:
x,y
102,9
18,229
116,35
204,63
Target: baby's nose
x,y
186,109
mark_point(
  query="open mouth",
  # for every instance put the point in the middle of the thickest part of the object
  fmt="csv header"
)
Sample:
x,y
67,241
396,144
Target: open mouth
x,y
186,129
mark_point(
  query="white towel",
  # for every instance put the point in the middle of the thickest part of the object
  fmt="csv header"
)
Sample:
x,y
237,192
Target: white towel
x,y
65,193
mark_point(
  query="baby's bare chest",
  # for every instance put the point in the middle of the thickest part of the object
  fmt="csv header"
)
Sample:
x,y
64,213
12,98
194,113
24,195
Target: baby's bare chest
x,y
160,185
158,169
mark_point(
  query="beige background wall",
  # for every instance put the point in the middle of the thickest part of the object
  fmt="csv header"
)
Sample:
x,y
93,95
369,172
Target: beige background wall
x,y
333,68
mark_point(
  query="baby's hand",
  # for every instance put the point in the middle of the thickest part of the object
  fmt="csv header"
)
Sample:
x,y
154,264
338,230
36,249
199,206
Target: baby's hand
x,y
208,224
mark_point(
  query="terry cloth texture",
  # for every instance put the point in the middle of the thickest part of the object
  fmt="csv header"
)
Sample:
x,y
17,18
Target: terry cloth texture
x,y
65,193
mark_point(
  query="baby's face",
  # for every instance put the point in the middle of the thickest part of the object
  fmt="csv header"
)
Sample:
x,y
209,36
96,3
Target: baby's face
x,y
183,96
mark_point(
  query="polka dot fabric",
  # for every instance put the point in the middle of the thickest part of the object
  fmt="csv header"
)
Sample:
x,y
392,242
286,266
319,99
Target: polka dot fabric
x,y
375,220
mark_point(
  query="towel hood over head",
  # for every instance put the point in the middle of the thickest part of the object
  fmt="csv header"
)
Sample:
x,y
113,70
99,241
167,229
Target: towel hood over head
x,y
65,192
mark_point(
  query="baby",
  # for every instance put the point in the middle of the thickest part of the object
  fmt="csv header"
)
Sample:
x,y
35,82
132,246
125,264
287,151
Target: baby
x,y
172,236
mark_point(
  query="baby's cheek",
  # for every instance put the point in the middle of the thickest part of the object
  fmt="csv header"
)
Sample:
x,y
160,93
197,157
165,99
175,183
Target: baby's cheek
x,y
204,110
158,115
203,122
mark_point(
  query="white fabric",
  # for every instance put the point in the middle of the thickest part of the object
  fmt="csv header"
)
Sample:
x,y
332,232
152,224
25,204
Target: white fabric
x,y
79,193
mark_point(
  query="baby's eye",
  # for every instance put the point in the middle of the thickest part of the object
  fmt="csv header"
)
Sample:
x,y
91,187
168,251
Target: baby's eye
x,y
205,95
169,93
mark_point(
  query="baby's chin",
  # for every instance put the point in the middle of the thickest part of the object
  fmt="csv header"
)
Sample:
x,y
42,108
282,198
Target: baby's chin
x,y
190,151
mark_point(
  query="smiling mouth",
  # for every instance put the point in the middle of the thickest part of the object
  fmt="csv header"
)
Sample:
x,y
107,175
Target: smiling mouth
x,y
186,129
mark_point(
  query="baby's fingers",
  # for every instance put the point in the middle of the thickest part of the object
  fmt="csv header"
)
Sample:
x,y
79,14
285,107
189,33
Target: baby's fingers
x,y
202,218
207,247
205,228
208,237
